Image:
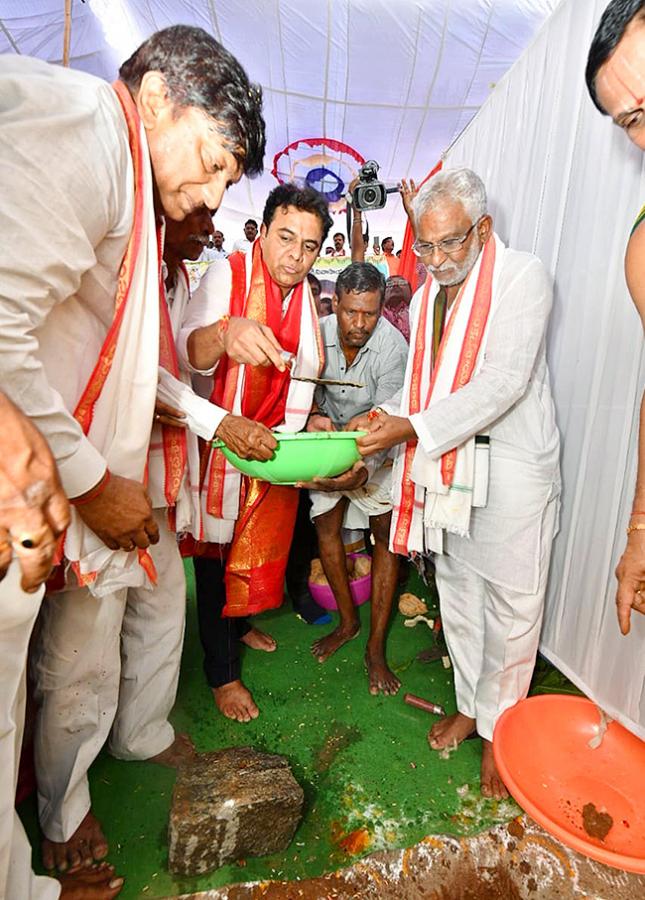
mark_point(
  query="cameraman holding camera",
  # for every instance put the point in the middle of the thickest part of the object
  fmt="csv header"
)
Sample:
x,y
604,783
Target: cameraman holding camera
x,y
366,192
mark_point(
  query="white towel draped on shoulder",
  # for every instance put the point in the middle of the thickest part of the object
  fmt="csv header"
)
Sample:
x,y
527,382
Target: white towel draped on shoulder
x,y
438,506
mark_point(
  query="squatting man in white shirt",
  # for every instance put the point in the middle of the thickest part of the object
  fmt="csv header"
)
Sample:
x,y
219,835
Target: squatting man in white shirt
x,y
476,479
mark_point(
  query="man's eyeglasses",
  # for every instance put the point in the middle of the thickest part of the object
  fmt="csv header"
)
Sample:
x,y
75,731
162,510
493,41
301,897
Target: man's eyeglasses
x,y
448,246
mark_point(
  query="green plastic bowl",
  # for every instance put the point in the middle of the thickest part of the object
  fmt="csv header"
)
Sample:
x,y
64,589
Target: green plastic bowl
x,y
301,457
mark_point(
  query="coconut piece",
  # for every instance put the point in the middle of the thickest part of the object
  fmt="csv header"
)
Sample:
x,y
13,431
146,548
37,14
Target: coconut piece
x,y
445,752
410,605
412,623
362,566
316,573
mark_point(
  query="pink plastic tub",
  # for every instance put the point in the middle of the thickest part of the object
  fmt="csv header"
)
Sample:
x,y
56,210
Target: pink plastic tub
x,y
361,589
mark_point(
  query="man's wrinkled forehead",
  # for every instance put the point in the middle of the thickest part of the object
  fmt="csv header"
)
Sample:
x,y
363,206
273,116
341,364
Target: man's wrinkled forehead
x,y
620,82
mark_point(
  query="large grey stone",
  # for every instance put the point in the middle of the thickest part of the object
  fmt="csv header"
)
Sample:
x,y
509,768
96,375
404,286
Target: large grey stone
x,y
231,804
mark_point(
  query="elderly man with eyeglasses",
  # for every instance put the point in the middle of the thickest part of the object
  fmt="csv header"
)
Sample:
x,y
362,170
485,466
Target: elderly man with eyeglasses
x,y
476,480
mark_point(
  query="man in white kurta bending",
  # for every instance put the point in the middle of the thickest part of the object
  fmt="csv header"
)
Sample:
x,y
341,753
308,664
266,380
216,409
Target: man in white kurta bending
x,y
476,479
79,352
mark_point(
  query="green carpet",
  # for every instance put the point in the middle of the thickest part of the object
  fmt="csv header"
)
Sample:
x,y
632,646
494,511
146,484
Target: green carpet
x,y
363,761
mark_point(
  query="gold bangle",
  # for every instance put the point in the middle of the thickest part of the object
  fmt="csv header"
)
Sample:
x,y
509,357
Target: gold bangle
x,y
631,528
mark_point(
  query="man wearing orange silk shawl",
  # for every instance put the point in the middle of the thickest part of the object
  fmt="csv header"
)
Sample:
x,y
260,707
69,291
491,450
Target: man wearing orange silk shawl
x,y
246,524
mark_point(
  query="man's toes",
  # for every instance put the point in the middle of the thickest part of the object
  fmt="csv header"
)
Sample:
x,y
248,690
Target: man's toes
x,y
228,711
102,868
98,874
499,789
47,853
78,855
252,711
91,884
100,848
60,856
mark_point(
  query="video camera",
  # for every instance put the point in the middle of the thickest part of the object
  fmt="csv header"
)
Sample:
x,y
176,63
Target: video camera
x,y
369,193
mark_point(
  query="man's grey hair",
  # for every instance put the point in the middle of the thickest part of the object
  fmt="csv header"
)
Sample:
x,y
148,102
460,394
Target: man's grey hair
x,y
461,185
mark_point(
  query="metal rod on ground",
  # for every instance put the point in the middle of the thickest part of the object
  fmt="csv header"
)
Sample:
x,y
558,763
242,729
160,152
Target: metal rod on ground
x,y
67,34
425,705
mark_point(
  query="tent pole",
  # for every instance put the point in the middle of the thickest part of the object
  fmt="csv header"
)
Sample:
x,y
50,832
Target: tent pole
x,y
68,31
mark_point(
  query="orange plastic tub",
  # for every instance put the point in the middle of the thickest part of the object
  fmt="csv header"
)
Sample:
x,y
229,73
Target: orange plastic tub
x,y
542,752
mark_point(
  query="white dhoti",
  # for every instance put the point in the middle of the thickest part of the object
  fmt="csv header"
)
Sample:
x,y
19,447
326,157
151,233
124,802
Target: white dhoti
x,y
18,612
492,632
374,498
107,666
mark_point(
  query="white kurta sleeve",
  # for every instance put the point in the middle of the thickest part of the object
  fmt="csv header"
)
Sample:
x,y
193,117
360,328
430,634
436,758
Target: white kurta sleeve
x,y
210,302
393,405
202,417
60,179
516,333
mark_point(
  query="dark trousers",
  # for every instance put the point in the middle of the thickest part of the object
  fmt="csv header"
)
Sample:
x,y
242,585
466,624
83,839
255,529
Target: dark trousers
x,y
220,637
303,549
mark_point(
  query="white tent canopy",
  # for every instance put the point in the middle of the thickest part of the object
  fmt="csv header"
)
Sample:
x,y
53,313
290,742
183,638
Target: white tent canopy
x,y
395,80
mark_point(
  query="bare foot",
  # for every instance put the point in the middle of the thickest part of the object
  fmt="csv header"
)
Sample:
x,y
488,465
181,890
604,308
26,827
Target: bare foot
x,y
380,675
326,646
181,751
86,845
235,702
453,728
93,883
490,780
259,640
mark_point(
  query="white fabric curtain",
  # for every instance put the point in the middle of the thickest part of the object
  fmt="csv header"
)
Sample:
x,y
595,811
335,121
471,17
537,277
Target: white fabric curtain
x,y
565,184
